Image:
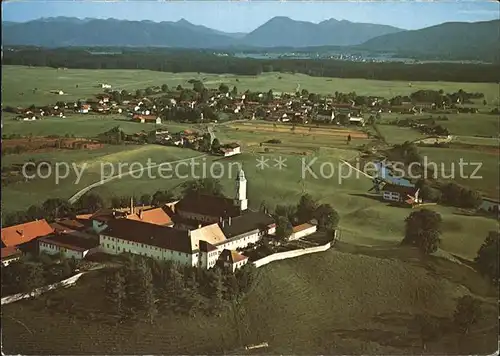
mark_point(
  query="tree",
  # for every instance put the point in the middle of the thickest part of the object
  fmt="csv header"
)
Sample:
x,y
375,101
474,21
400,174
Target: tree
x,y
217,289
467,313
208,186
304,92
115,292
139,93
223,88
246,277
190,296
149,91
215,145
306,208
234,92
429,329
423,229
56,208
145,199
198,86
289,211
161,197
33,277
284,228
487,257
327,217
205,144
164,88
143,281
91,202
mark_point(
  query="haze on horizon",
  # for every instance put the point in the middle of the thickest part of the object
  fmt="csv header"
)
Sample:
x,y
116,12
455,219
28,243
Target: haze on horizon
x,y
245,16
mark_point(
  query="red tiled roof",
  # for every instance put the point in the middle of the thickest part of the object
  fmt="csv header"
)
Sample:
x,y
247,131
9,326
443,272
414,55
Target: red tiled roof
x,y
8,252
156,216
22,233
232,256
302,227
67,225
145,117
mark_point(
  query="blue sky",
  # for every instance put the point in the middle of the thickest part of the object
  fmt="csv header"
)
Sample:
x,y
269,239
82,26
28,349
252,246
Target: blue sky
x,y
244,16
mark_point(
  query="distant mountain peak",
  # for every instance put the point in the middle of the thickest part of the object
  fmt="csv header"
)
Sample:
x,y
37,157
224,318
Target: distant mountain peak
x,y
183,21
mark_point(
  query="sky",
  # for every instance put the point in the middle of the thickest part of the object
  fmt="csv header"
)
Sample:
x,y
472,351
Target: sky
x,y
245,16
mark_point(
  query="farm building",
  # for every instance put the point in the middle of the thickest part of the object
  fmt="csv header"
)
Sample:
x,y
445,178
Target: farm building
x,y
303,230
400,194
147,119
357,121
10,254
104,86
70,245
490,205
85,108
230,149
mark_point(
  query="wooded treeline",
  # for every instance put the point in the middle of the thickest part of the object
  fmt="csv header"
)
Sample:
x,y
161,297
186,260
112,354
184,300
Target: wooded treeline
x,y
177,60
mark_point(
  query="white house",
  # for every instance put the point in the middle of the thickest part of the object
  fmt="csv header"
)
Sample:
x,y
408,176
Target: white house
x,y
10,254
231,149
490,205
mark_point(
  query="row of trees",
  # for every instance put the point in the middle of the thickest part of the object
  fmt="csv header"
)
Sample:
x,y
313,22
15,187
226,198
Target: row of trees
x,y
452,194
203,61
144,287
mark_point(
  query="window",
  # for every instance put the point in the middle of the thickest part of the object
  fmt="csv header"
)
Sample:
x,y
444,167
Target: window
x,y
118,248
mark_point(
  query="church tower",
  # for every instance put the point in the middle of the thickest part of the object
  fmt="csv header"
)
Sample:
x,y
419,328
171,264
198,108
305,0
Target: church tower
x,y
241,191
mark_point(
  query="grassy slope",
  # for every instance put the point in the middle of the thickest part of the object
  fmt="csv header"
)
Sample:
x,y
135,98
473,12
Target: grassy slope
x,y
328,303
78,125
448,160
17,79
22,195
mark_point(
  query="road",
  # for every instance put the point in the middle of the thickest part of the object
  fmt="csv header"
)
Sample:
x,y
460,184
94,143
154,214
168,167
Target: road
x,y
81,192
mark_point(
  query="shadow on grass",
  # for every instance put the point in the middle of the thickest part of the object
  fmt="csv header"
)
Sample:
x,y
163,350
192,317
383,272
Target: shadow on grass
x,y
382,337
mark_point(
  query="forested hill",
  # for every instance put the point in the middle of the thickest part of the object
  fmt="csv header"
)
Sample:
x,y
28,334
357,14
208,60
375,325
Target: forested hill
x,y
204,61
477,40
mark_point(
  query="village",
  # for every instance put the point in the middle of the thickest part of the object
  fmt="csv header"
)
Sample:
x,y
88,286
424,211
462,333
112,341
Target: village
x,y
157,105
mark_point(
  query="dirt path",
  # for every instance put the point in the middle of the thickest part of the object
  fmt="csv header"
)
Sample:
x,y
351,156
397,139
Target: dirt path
x,y
81,192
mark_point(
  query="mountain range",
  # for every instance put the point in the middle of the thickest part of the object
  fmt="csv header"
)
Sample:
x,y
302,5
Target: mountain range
x,y
462,40
279,31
